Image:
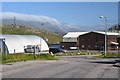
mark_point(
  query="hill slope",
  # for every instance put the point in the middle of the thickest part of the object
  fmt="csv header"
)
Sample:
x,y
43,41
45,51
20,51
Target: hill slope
x,y
23,30
37,21
115,28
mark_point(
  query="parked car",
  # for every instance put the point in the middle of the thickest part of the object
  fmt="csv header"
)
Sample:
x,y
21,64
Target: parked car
x,y
56,50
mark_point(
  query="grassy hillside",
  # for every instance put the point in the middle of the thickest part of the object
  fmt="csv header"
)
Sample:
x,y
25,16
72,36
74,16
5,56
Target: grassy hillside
x,y
23,30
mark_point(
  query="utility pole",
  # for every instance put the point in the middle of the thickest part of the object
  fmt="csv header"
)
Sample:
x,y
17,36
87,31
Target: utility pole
x,y
14,22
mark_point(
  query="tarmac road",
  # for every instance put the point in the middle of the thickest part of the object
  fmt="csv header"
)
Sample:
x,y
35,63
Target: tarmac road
x,y
66,67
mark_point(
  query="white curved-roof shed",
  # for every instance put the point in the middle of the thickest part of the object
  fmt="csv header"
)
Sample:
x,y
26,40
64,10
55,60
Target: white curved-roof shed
x,y
17,42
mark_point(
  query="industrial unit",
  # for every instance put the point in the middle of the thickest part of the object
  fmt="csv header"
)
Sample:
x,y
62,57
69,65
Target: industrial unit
x,y
93,40
70,40
22,43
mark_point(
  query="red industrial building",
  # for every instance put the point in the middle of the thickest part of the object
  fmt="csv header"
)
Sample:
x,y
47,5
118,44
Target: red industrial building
x,y
89,40
70,40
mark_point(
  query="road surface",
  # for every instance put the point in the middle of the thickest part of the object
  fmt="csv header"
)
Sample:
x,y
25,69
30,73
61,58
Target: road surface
x,y
65,67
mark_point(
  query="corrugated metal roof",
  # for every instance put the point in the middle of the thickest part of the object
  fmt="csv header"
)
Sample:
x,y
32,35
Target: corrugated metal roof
x,y
108,33
74,34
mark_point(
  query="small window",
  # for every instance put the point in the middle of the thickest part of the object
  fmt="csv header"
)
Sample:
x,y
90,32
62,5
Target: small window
x,y
32,47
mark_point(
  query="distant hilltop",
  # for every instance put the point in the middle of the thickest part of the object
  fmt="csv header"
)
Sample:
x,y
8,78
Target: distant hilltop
x,y
38,21
46,23
115,28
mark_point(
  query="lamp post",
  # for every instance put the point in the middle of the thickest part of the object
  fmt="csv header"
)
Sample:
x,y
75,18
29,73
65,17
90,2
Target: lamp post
x,y
105,18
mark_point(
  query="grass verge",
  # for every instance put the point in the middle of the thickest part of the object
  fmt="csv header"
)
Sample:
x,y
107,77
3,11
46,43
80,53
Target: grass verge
x,y
109,55
76,53
24,57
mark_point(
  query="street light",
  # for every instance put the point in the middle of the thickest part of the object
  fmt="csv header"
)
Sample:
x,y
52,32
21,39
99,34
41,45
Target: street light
x,y
105,18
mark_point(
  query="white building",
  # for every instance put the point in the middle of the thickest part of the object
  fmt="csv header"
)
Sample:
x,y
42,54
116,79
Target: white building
x,y
18,43
72,36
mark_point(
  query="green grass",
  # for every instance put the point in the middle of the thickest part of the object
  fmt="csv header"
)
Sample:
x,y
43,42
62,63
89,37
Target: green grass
x,y
109,55
101,55
23,30
0,58
76,53
24,57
